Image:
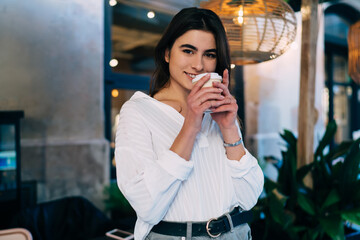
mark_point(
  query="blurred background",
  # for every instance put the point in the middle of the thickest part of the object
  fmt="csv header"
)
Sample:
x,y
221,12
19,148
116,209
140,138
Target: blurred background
x,y
69,65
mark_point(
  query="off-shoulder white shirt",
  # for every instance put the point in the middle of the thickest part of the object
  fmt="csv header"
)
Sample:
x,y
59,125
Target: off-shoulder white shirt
x,y
160,185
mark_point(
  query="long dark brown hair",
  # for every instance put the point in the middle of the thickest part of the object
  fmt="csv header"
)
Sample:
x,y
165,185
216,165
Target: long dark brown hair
x,y
185,20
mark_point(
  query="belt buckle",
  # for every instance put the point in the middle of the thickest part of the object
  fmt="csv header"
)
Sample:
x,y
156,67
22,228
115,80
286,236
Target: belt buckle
x,y
208,229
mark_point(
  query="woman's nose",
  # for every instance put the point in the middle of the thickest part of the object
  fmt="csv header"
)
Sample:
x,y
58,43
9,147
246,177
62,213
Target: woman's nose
x,y
197,63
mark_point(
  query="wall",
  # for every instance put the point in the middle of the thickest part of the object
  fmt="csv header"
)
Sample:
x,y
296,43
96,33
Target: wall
x,y
51,66
272,92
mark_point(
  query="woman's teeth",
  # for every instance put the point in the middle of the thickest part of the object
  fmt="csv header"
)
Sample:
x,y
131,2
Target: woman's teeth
x,y
191,75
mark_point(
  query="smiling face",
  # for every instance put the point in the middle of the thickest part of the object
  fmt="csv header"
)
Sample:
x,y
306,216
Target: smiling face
x,y
192,53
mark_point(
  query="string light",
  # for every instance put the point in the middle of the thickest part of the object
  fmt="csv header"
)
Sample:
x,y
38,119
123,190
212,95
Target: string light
x,y
112,2
113,62
150,14
115,93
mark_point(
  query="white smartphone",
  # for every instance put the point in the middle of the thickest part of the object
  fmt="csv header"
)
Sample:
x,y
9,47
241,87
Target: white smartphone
x,y
120,234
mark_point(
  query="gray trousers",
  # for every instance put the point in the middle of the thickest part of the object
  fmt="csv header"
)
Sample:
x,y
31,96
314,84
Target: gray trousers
x,y
241,232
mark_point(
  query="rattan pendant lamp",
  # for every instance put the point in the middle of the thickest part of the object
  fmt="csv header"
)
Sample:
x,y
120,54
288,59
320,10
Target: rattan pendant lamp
x,y
354,52
258,30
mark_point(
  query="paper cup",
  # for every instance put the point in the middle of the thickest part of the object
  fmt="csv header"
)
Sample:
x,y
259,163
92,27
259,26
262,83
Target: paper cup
x,y
214,77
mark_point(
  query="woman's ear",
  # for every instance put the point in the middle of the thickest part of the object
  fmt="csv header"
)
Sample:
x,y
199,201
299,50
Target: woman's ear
x,y
167,55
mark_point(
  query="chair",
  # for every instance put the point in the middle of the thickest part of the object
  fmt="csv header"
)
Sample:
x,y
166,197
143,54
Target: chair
x,y
15,234
70,218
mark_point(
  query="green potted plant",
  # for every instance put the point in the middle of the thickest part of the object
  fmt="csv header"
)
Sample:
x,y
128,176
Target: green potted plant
x,y
292,210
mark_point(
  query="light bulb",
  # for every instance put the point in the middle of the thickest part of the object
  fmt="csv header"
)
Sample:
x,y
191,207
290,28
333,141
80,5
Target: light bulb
x,y
150,14
113,62
115,93
112,2
241,15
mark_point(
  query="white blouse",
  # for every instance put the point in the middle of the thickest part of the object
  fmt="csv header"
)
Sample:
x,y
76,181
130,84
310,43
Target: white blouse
x,y
160,185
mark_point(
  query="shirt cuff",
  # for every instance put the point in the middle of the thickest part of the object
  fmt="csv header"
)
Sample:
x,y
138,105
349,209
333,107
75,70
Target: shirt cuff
x,y
175,165
241,168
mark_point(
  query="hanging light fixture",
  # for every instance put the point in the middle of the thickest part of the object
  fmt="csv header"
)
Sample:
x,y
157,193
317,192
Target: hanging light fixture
x,y
257,30
354,51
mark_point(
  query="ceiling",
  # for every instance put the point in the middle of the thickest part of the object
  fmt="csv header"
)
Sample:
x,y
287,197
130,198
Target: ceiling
x,y
134,35
165,6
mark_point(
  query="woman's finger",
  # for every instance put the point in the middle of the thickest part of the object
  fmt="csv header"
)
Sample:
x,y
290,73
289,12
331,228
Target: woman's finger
x,y
217,103
226,78
207,91
228,100
232,107
225,89
198,85
211,97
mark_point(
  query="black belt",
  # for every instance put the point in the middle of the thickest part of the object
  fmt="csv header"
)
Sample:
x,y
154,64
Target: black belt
x,y
213,228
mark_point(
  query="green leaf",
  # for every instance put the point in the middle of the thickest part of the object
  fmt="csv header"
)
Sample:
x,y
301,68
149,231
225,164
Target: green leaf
x,y
339,151
349,172
269,185
306,204
353,217
310,234
357,191
331,199
326,140
287,175
303,171
333,226
337,171
300,228
276,207
290,138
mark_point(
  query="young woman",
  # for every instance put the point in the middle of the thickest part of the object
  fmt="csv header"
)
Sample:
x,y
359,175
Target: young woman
x,y
187,173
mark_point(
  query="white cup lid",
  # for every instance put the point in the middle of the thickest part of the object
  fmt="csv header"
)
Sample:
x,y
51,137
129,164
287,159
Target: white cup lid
x,y
213,75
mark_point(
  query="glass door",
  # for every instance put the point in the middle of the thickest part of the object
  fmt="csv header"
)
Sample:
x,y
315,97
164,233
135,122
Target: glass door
x,y
131,34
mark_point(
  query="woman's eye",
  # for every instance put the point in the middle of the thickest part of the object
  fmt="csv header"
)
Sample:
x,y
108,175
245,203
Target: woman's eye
x,y
211,55
188,51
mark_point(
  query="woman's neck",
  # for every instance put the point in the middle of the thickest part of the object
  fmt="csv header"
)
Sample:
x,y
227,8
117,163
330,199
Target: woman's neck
x,y
174,98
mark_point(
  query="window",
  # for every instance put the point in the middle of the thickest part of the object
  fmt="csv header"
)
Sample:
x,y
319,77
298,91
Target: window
x,y
341,93
130,39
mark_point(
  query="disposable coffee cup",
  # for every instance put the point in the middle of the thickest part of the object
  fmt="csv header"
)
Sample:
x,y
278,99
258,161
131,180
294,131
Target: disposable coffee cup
x,y
214,77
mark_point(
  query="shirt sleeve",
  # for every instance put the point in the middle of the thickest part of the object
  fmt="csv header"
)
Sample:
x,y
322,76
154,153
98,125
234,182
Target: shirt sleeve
x,y
248,179
148,180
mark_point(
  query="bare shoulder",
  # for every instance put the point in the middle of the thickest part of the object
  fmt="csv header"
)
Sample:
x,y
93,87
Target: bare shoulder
x,y
162,97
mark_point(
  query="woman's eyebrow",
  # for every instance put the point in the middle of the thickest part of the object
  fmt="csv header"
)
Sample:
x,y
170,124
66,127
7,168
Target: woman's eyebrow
x,y
211,50
195,48
189,46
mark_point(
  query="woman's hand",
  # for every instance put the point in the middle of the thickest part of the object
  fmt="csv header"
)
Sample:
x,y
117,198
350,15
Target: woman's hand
x,y
226,111
201,99
225,116
198,100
